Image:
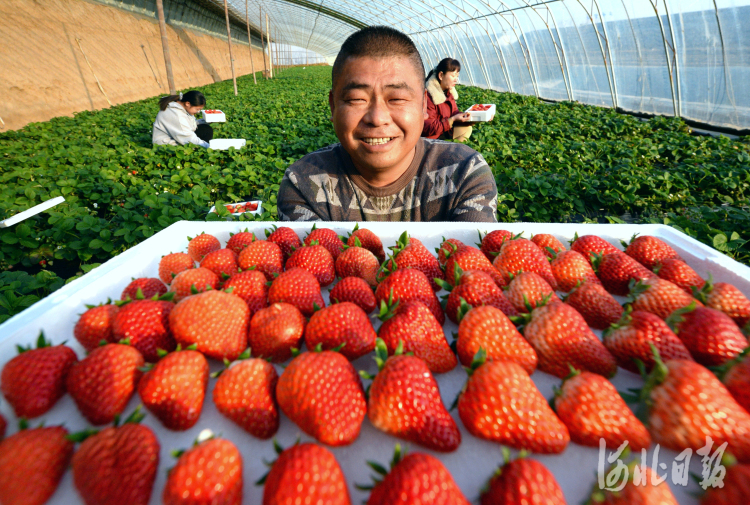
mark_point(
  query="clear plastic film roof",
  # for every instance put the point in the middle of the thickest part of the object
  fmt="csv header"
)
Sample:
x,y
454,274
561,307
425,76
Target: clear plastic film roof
x,y
687,58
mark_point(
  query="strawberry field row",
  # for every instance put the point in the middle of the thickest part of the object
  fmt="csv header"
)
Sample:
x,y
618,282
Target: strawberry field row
x,y
559,163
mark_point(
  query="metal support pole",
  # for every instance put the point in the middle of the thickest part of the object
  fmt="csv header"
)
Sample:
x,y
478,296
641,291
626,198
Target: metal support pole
x,y
500,57
262,45
250,43
480,58
609,52
165,46
675,60
604,56
729,89
268,44
229,41
654,4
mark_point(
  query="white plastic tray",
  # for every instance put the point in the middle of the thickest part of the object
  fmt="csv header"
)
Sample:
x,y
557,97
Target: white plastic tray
x,y
471,465
482,115
214,117
223,144
259,210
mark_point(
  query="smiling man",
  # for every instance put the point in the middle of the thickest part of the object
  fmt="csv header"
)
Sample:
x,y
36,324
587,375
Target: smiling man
x,y
382,170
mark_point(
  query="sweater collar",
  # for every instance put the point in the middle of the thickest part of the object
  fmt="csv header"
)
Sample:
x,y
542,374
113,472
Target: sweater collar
x,y
436,92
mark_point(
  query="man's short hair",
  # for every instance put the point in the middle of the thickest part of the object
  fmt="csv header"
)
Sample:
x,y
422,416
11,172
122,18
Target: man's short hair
x,y
377,42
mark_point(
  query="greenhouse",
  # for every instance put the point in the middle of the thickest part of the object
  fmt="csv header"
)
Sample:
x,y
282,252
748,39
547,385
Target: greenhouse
x,y
334,251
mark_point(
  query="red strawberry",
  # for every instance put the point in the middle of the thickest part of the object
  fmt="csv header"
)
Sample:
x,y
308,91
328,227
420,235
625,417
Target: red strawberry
x,y
409,284
201,245
3,426
405,402
529,288
545,242
522,255
595,304
264,256
355,261
530,424
33,381
659,297
487,328
172,264
523,480
222,262
652,489
470,258
327,238
409,252
726,298
648,250
275,331
415,479
246,394
590,245
476,288
149,287
710,335
735,488
285,238
32,463
173,390
251,286
118,465
355,290
571,268
447,247
631,338
315,259
493,241
102,383
412,326
95,325
146,324
735,375
193,281
593,410
561,338
615,270
678,272
206,474
215,321
322,394
238,241
305,473
687,403
341,324
368,240
298,287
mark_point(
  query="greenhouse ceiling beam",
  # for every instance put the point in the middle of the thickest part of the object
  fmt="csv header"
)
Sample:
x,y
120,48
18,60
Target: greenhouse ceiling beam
x,y
525,51
675,60
490,14
312,6
499,53
482,64
565,58
638,50
728,88
601,48
515,54
609,52
655,5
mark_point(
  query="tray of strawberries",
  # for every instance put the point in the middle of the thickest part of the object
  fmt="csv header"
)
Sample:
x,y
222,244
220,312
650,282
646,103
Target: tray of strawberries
x,y
253,207
351,362
481,112
213,116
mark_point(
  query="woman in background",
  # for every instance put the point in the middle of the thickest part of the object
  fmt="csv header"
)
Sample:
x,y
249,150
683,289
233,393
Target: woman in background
x,y
175,123
444,120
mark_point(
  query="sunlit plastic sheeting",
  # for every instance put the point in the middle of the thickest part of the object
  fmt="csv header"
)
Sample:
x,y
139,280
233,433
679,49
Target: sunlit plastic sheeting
x,y
544,56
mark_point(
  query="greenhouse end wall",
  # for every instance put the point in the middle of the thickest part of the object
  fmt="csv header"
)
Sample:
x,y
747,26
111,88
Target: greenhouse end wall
x,y
47,74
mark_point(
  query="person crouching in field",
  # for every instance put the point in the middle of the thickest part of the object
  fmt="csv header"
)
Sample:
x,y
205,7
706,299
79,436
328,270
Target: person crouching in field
x,y
444,120
175,123
383,169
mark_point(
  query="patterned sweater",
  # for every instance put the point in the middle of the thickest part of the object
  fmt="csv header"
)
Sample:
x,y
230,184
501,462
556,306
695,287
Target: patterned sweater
x,y
445,182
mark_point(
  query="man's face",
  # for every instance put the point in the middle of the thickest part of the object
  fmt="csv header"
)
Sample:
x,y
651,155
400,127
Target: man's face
x,y
378,112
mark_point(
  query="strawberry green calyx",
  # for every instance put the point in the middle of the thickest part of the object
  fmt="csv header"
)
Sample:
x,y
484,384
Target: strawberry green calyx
x,y
702,293
380,470
388,309
401,243
636,288
657,376
463,309
108,302
135,418
625,320
450,245
166,297
278,449
80,436
41,342
268,231
676,318
626,244
480,358
596,259
523,453
444,285
721,370
203,436
573,240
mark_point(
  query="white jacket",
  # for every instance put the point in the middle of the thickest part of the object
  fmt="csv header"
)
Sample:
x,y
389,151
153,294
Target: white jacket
x,y
175,126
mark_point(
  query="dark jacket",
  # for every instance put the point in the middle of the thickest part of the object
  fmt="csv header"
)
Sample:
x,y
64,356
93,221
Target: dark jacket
x,y
439,109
